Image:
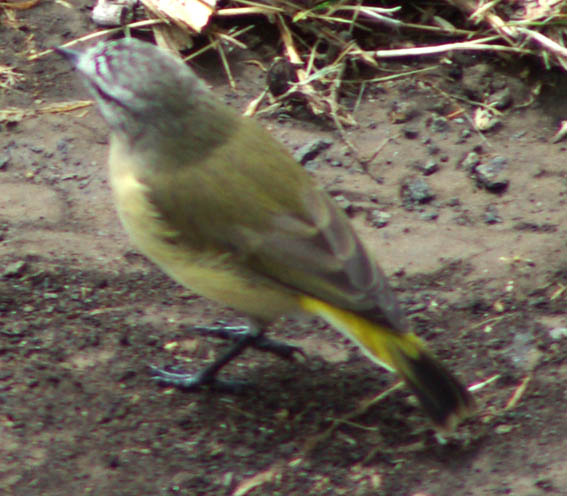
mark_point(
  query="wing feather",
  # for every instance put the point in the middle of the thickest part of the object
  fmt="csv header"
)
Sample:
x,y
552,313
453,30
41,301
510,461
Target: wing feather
x,y
273,220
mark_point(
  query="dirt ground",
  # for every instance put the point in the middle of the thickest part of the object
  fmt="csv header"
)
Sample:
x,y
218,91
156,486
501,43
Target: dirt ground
x,y
482,273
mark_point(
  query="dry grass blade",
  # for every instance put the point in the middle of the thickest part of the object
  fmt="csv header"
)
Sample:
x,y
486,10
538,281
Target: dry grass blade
x,y
16,114
9,77
324,41
317,103
559,51
474,45
98,34
192,14
20,5
311,444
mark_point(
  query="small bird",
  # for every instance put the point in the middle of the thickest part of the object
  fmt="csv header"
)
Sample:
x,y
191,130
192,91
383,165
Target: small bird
x,y
224,209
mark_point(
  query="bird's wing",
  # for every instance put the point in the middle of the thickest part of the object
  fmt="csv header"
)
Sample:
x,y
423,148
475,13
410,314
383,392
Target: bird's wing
x,y
320,254
268,214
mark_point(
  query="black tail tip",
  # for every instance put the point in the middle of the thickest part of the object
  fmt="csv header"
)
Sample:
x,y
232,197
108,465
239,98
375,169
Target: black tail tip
x,y
443,397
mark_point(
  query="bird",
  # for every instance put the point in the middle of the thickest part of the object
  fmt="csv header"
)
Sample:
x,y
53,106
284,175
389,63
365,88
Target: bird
x,y
223,208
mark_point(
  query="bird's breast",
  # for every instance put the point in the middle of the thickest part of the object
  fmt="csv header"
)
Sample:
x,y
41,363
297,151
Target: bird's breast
x,y
213,273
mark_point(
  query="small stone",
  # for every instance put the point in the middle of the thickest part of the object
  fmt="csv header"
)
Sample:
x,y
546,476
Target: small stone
x,y
62,146
344,203
463,219
433,149
15,269
430,215
558,333
470,161
402,112
491,215
485,119
113,461
400,271
501,99
415,190
491,175
439,124
16,331
312,150
519,135
504,429
546,485
430,167
464,135
379,219
426,169
476,80
410,133
280,76
311,165
5,375
110,13
4,159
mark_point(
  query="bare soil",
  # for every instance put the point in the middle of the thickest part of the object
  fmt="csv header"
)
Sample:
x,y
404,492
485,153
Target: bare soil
x,y
482,274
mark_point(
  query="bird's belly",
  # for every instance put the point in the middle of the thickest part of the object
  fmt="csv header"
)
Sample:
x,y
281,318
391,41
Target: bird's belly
x,y
213,274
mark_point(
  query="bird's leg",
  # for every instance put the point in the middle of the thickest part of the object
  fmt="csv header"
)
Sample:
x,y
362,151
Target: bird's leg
x,y
259,341
207,376
244,337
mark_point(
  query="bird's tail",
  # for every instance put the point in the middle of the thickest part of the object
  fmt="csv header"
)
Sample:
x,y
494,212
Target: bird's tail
x,y
442,396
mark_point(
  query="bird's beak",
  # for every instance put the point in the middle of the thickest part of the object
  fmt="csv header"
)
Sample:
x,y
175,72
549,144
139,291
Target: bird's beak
x,y
71,55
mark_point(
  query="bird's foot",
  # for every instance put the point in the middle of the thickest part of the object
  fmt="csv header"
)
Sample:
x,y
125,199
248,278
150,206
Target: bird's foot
x,y
187,382
258,341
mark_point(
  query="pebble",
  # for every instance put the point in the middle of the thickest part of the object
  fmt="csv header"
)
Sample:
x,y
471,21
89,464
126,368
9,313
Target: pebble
x,y
402,112
558,333
492,176
344,203
431,167
464,135
14,269
470,161
485,119
433,149
63,146
491,215
379,219
280,76
415,190
430,215
476,79
4,159
439,124
501,99
110,13
410,132
312,150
